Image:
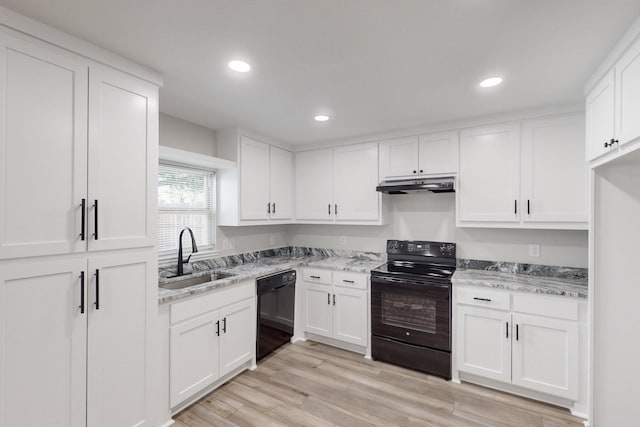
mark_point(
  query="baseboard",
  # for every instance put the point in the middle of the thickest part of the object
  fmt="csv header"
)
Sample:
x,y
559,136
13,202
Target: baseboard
x,y
337,343
297,339
168,423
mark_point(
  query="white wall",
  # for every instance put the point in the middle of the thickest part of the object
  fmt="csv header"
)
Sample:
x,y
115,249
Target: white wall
x,y
183,135
178,133
427,216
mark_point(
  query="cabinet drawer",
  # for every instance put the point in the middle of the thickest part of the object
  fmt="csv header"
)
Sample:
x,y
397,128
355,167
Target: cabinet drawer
x,y
314,275
351,280
482,297
211,301
558,307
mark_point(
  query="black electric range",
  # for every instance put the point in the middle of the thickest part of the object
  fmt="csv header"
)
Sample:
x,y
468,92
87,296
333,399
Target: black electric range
x,y
411,306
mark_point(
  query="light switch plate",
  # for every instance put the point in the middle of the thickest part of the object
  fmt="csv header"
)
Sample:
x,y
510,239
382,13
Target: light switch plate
x,y
534,250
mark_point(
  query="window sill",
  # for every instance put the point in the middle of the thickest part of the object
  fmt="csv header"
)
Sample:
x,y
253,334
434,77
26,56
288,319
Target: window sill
x,y
165,260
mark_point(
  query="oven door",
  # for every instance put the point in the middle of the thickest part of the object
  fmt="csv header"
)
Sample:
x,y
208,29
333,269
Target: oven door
x,y
411,311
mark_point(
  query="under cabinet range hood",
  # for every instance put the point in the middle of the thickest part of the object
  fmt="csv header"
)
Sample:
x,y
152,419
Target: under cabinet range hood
x,y
434,185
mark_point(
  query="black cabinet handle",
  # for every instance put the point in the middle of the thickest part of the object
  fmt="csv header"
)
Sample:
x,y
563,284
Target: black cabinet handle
x,y
224,325
315,277
335,209
82,292
507,329
347,281
268,207
517,333
334,299
329,208
274,208
415,172
83,206
610,143
97,289
528,207
328,298
421,171
218,328
482,299
515,207
95,219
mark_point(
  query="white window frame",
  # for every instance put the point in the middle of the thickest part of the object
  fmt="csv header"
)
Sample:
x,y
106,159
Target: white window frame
x,y
175,157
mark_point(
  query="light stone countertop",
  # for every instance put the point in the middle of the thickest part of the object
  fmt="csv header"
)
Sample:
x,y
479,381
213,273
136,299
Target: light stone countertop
x,y
264,267
575,288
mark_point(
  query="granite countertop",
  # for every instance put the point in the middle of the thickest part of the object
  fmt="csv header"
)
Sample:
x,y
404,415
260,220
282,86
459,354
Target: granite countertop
x,y
514,281
263,266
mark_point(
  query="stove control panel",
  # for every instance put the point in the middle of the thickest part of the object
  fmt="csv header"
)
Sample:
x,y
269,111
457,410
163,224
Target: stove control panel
x,y
421,248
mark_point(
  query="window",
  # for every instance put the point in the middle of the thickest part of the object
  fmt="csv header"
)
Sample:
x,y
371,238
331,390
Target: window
x,y
186,198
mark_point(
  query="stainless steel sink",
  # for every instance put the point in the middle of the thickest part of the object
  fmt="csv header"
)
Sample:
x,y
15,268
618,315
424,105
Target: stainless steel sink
x,y
188,281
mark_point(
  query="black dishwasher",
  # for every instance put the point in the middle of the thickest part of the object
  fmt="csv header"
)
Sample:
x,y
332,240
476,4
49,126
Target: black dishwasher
x,y
276,304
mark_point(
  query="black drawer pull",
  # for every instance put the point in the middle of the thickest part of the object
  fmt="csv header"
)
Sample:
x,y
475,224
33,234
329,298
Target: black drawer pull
x,y
82,292
517,333
348,281
95,219
334,299
224,325
482,299
82,221
315,277
328,298
268,208
507,329
97,289
218,328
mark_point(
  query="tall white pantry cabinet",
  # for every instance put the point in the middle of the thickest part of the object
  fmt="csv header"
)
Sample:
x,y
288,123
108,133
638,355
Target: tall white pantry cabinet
x,y
78,266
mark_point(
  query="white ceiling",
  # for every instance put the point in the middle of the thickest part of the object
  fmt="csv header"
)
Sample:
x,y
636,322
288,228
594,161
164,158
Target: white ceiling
x,y
373,65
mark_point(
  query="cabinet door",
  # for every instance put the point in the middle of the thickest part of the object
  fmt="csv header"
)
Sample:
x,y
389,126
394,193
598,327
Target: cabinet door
x,y
545,355
355,177
237,335
194,356
43,339
313,184
254,179
554,174
350,315
489,181
122,297
484,342
281,173
627,96
123,160
43,141
600,109
317,309
439,153
399,158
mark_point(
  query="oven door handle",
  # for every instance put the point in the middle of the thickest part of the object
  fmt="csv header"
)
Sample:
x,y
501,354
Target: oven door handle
x,y
385,280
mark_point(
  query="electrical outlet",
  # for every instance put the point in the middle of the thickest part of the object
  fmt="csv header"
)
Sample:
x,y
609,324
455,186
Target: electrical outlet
x,y
534,250
343,240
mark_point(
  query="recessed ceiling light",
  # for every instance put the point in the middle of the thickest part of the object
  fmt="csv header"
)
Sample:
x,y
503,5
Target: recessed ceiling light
x,y
491,82
321,118
239,66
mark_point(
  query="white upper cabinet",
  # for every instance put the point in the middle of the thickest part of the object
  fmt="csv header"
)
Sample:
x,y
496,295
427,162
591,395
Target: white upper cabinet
x,y
355,176
412,156
488,187
338,185
439,153
52,169
529,174
399,158
314,170
254,179
260,190
281,179
43,122
123,160
600,117
554,173
628,96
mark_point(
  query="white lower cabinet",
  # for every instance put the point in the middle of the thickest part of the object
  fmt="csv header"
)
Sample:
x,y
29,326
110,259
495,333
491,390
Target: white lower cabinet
x,y
210,336
338,308
545,355
532,343
78,332
484,345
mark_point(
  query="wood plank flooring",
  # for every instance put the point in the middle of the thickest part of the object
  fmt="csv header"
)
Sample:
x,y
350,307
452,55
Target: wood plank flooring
x,y
313,385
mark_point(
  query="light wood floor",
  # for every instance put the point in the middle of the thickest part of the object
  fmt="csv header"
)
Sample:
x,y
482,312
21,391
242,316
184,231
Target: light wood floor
x,y
310,384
